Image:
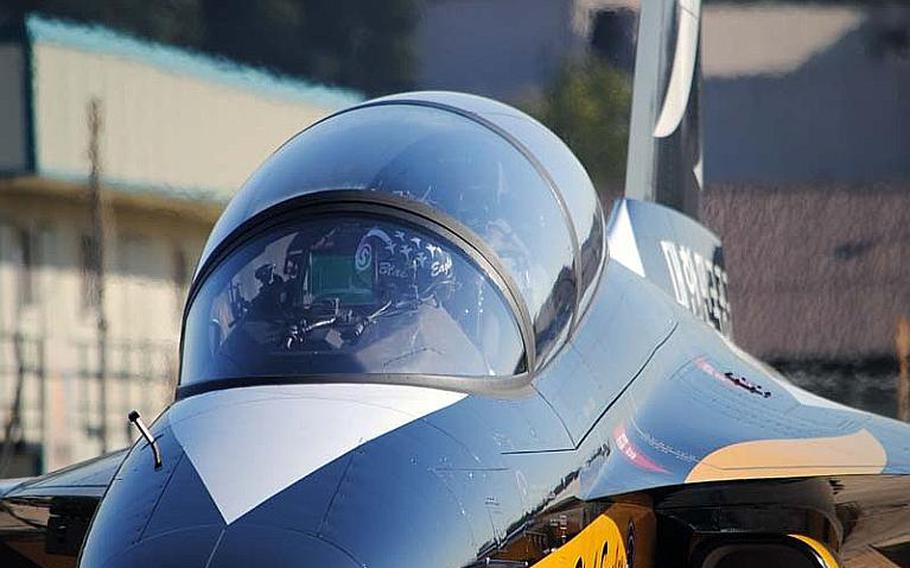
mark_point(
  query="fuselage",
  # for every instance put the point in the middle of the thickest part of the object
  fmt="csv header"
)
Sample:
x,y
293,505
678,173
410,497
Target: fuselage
x,y
372,474
413,340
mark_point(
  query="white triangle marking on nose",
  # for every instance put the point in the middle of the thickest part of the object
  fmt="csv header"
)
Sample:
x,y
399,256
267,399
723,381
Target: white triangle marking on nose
x,y
248,444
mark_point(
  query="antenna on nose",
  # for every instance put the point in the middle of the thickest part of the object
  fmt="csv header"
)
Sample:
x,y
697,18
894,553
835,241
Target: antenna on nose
x,y
136,420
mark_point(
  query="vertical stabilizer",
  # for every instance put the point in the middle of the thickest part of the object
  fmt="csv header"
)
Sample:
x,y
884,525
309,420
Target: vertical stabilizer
x,y
665,156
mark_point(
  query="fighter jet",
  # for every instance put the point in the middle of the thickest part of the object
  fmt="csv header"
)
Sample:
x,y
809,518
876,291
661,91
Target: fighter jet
x,y
415,339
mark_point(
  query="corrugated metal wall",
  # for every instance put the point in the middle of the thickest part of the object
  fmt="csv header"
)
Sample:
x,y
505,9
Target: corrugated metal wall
x,y
162,129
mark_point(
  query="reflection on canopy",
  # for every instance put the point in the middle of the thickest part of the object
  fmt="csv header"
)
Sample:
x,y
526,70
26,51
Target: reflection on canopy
x,y
349,295
451,164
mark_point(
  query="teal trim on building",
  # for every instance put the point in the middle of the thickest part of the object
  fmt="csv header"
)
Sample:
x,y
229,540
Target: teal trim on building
x,y
36,31
103,40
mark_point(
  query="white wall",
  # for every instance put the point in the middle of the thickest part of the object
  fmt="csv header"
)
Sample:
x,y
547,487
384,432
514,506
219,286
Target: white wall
x,y
180,133
144,308
161,127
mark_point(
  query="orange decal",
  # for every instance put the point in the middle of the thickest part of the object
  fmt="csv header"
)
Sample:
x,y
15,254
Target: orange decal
x,y
857,453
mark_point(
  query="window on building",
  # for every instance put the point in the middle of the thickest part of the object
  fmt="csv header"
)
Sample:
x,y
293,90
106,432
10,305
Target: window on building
x,y
613,37
891,41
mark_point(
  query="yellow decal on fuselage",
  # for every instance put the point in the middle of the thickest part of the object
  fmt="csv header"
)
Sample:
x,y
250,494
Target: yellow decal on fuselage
x,y
818,548
599,545
857,453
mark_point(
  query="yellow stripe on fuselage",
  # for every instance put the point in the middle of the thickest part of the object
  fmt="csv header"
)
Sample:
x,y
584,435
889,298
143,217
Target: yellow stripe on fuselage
x,y
599,545
857,453
818,548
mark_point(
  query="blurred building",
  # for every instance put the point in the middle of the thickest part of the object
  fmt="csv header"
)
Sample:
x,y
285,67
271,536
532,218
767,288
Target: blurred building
x,y
511,49
806,109
179,133
807,174
806,94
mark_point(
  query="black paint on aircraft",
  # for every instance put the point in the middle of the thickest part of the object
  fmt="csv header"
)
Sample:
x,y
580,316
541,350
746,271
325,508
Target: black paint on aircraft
x,y
416,340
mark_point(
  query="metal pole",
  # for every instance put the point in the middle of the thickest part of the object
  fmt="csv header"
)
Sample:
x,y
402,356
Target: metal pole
x,y
902,343
13,428
97,209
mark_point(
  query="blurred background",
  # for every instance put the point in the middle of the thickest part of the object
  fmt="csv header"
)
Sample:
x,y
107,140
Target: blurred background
x,y
125,127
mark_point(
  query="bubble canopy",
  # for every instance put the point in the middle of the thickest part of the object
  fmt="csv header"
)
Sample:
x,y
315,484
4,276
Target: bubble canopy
x,y
482,168
350,293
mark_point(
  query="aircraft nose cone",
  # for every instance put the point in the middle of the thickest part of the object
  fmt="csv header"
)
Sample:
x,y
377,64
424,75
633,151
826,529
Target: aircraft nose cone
x,y
297,476
250,444
230,547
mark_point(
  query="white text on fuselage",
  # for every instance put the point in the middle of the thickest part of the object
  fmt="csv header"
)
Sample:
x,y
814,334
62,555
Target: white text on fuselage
x,y
699,284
